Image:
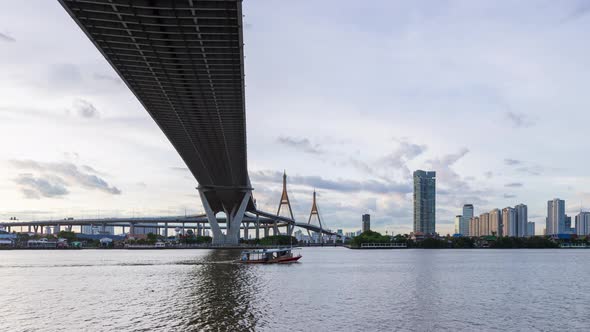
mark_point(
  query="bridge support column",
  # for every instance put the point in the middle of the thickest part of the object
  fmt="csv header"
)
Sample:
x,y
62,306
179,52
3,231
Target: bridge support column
x,y
266,230
275,228
233,222
257,227
246,229
166,230
29,228
69,228
131,228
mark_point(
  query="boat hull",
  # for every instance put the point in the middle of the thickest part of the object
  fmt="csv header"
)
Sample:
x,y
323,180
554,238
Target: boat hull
x,y
280,260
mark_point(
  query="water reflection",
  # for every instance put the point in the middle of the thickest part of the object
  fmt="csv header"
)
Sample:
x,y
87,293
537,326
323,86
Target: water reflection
x,y
222,294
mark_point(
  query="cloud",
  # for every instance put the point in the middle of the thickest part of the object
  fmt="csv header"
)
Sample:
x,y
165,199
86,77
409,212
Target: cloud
x,y
582,10
89,169
531,170
37,187
513,185
86,109
406,151
392,162
64,75
341,185
519,120
102,77
509,196
489,174
6,38
444,172
511,162
70,173
300,143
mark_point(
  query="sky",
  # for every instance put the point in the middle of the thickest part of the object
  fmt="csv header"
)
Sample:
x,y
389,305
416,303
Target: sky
x,y
349,97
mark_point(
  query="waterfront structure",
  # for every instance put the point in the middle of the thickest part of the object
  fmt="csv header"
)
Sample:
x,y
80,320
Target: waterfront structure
x,y
530,229
495,221
521,220
466,219
484,224
509,221
474,229
315,212
583,223
555,222
568,225
458,221
95,229
425,202
366,222
284,204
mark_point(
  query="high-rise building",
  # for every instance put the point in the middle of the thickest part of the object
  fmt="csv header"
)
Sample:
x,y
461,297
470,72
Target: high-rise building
x,y
476,226
484,224
425,202
568,225
366,222
458,221
583,223
530,229
555,222
522,219
465,221
495,222
510,227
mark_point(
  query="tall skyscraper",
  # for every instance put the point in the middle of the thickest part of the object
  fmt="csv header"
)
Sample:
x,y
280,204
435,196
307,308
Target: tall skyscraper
x,y
366,222
465,221
425,202
555,217
458,221
509,222
583,223
522,218
495,222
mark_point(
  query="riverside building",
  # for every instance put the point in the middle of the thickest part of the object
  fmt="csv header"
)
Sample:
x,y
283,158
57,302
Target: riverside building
x,y
424,202
555,222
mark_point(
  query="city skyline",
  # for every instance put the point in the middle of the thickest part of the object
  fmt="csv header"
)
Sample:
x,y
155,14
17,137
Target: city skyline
x,y
58,87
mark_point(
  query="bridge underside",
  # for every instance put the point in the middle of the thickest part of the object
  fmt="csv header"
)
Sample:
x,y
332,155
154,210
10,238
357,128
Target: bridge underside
x,y
184,62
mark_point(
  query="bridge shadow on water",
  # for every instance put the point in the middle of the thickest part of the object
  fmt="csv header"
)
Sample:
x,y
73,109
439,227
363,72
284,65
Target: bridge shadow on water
x,y
222,297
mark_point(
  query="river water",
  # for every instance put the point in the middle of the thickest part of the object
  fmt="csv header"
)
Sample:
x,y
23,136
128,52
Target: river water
x,y
331,289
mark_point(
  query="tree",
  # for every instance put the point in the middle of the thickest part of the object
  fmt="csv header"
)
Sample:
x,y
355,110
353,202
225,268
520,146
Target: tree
x,y
152,238
70,236
369,237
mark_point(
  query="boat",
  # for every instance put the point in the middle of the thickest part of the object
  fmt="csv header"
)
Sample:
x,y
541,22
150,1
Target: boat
x,y
268,256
